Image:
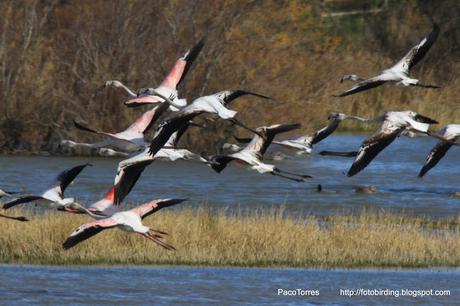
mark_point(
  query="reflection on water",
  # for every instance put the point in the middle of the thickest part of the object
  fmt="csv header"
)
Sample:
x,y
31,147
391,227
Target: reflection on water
x,y
394,173
173,285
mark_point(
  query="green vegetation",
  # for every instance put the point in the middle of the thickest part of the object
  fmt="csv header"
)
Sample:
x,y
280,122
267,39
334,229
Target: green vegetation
x,y
268,238
54,55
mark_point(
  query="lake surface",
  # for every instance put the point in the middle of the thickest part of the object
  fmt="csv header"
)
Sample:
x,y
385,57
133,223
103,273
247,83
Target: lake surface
x,y
203,285
393,172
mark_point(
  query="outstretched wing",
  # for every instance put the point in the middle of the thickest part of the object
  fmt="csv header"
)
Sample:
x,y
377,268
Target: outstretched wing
x,y
438,152
64,179
362,86
147,119
190,57
115,137
179,71
238,93
88,230
168,127
274,130
21,200
418,52
219,162
371,148
151,207
325,131
126,178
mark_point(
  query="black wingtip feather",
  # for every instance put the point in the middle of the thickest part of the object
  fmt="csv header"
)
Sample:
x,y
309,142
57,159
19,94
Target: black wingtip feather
x,y
238,93
191,56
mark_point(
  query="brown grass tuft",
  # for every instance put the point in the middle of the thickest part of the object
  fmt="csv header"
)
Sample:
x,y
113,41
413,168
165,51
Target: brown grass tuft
x,y
255,239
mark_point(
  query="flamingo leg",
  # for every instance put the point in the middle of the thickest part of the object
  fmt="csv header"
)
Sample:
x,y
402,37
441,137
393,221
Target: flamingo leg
x,y
304,176
288,177
156,238
20,218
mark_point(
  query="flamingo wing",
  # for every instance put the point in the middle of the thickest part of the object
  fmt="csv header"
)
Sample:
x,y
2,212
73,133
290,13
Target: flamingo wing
x,y
436,154
126,178
169,126
182,66
21,200
219,162
88,230
362,86
418,52
115,137
370,148
66,177
147,119
325,132
238,93
151,207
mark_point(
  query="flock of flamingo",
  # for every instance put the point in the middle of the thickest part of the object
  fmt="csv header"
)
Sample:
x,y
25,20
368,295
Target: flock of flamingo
x,y
173,115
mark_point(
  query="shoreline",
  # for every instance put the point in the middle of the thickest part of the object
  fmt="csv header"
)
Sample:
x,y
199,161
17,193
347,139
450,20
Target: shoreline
x,y
440,269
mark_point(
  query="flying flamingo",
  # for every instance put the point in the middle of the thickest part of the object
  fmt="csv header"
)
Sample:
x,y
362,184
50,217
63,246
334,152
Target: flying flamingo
x,y
214,104
252,154
399,73
54,196
304,144
129,221
169,85
129,170
448,136
393,125
132,139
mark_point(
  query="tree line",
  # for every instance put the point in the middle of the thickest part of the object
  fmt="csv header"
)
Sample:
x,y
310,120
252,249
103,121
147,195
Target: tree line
x,y
56,54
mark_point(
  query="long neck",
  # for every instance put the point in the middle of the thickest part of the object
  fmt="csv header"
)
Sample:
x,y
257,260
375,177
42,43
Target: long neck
x,y
167,100
368,121
74,144
121,85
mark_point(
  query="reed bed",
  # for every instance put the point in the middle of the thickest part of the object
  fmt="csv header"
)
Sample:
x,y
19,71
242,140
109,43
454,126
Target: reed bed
x,y
264,239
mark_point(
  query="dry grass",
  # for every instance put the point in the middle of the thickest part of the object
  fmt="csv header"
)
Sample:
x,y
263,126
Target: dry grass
x,y
255,239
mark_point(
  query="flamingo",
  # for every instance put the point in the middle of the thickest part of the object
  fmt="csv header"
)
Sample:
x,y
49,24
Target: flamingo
x,y
98,146
130,169
214,104
169,85
252,154
131,139
393,125
304,144
399,73
129,221
448,136
53,197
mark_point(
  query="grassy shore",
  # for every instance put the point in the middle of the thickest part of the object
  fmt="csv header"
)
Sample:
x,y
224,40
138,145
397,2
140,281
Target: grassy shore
x,y
234,239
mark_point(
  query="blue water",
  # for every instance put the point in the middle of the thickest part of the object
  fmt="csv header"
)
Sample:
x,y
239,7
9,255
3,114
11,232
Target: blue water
x,y
203,285
394,173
